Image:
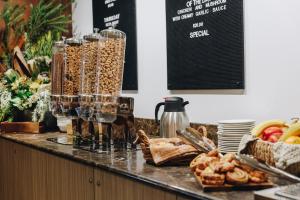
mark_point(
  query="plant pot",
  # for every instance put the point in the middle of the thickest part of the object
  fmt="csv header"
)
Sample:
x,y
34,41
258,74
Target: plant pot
x,y
23,116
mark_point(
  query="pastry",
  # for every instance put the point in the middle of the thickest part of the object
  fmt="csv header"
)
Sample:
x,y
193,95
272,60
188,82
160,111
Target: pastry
x,y
246,168
209,177
224,167
213,169
229,157
198,171
196,161
236,163
212,176
212,182
202,161
205,161
213,153
215,165
237,176
207,172
258,176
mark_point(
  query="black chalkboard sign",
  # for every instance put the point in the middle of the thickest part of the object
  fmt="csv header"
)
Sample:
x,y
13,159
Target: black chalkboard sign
x,y
205,44
122,15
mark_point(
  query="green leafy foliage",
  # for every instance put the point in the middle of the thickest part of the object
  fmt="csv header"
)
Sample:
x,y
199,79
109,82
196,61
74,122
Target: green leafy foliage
x,y
46,24
45,17
43,47
12,30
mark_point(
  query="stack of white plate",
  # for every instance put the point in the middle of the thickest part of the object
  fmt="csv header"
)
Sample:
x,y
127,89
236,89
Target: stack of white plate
x,y
230,133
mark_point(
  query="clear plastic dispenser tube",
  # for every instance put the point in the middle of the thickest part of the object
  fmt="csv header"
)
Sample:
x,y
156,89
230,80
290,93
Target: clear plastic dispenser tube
x,y
110,68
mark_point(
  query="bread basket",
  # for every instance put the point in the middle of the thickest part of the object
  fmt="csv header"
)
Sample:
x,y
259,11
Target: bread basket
x,y
180,160
183,159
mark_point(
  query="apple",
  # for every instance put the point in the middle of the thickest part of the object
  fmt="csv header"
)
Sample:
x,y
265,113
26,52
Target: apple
x,y
273,139
278,134
270,131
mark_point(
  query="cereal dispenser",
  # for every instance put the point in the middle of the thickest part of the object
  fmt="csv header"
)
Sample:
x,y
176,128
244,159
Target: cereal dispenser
x,y
56,77
85,110
90,84
110,67
71,76
88,74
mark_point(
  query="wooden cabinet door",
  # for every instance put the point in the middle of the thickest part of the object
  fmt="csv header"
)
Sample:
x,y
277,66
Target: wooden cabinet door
x,y
29,174
39,179
68,180
109,186
6,170
22,172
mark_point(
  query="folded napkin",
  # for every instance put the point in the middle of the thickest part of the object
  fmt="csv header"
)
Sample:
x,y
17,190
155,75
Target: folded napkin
x,y
167,149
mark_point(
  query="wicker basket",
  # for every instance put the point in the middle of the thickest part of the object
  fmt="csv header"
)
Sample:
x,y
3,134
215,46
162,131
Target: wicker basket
x,y
183,160
179,160
263,151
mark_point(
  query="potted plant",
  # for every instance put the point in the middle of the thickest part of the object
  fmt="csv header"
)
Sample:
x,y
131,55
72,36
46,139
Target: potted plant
x,y
25,59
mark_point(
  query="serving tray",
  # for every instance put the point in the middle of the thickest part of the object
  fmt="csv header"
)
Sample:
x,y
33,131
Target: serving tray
x,y
226,187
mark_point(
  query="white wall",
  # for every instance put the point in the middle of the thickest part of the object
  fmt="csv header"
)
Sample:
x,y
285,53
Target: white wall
x,y
82,17
272,54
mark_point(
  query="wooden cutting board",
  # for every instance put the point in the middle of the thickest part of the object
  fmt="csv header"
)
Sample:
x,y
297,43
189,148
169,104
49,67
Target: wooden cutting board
x,y
21,127
226,187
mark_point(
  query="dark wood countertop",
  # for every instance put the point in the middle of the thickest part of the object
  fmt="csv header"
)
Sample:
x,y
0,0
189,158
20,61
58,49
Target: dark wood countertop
x,y
130,164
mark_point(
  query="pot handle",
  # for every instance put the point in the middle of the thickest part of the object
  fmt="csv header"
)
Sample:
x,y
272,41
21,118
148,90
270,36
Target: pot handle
x,y
185,103
156,111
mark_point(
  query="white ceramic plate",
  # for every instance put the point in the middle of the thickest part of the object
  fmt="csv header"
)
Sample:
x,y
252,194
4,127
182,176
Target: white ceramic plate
x,y
229,142
232,135
229,147
229,150
229,125
224,151
233,132
223,141
236,127
237,121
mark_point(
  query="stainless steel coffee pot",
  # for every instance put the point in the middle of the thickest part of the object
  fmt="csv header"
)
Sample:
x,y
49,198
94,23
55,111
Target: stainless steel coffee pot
x,y
173,118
